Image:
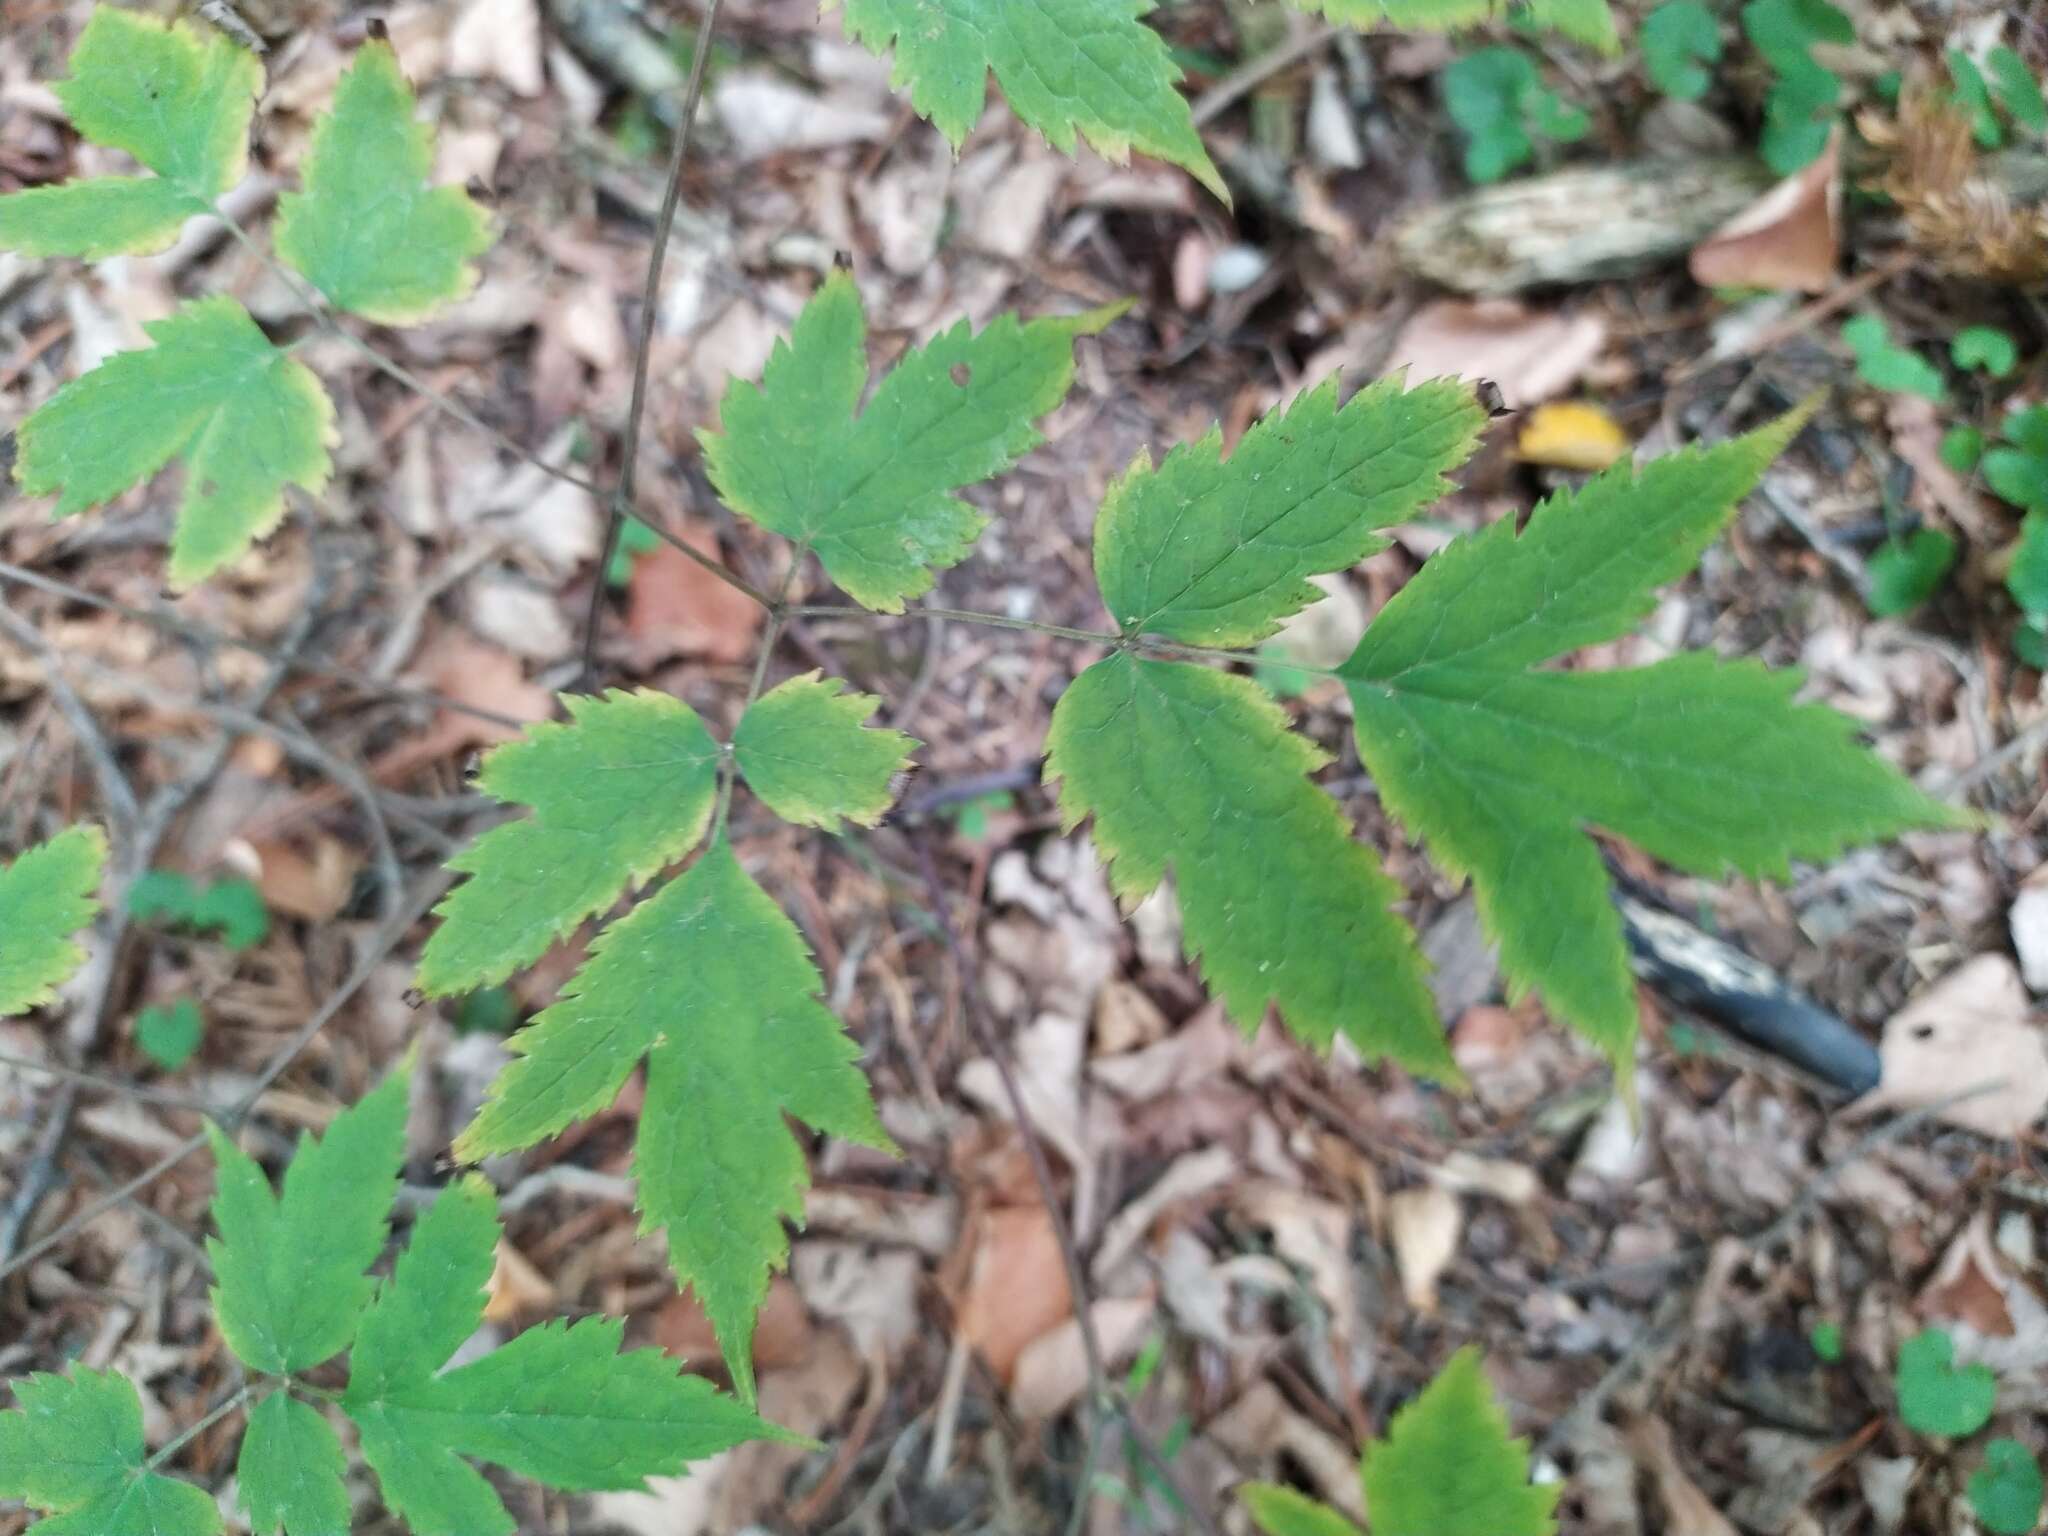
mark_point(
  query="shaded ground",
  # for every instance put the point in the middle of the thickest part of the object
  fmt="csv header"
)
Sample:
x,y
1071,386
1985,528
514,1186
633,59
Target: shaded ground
x,y
1287,1247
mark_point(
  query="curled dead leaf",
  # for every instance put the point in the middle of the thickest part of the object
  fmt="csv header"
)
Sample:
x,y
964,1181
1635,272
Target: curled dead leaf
x,y
1965,1048
1788,238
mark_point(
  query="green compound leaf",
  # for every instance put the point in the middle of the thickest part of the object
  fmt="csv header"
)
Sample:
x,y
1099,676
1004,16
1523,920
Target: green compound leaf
x,y
2006,1491
1503,770
367,230
1936,1397
1218,552
2017,470
559,1403
1281,1511
46,896
623,789
710,982
1196,770
1904,573
178,98
1449,1467
74,1448
1679,40
289,1281
1067,66
292,1470
807,753
871,492
246,419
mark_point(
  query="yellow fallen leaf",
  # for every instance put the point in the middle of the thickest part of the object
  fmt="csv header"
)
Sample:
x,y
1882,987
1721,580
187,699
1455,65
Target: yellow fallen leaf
x,y
1571,435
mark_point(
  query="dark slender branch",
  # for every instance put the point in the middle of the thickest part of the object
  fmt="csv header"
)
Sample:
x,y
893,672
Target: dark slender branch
x,y
1103,1394
621,505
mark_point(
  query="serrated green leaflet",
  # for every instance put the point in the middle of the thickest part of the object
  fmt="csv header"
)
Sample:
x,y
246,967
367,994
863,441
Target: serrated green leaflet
x,y
1503,770
1448,1466
246,420
1939,1397
178,98
74,1448
291,1471
559,1403
872,492
621,790
1194,770
714,985
289,1272
1281,1511
367,230
1403,13
806,751
1217,552
1067,66
46,896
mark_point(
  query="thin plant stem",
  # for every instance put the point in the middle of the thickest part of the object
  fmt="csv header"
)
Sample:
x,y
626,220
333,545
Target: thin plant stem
x,y
621,504
213,1416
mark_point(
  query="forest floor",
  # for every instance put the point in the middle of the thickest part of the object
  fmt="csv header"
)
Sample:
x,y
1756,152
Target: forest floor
x,y
1694,1317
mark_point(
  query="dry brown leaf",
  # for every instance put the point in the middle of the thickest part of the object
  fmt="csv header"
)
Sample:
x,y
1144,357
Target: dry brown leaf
x,y
1788,238
517,1288
1312,1234
1052,1372
1532,355
498,40
782,1336
1688,1512
1971,1283
314,884
1017,1286
1424,1225
674,607
1967,1033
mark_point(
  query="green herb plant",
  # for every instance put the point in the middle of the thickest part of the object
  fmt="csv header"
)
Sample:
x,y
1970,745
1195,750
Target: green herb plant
x,y
1498,100
1947,1402
1184,765
1448,1467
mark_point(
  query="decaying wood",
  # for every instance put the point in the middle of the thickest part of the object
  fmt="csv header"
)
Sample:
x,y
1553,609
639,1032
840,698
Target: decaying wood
x,y
1593,222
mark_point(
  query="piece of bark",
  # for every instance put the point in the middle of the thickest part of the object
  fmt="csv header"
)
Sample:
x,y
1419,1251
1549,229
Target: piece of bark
x,y
1579,225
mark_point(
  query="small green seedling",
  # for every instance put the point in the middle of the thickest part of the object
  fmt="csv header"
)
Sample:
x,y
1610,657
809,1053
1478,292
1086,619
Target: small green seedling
x,y
1984,347
635,539
231,908
1962,448
1801,109
1680,40
170,1033
1501,105
1884,365
2017,468
2006,1490
487,1011
1448,1467
1938,1397
971,817
1826,1339
2027,580
1905,572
